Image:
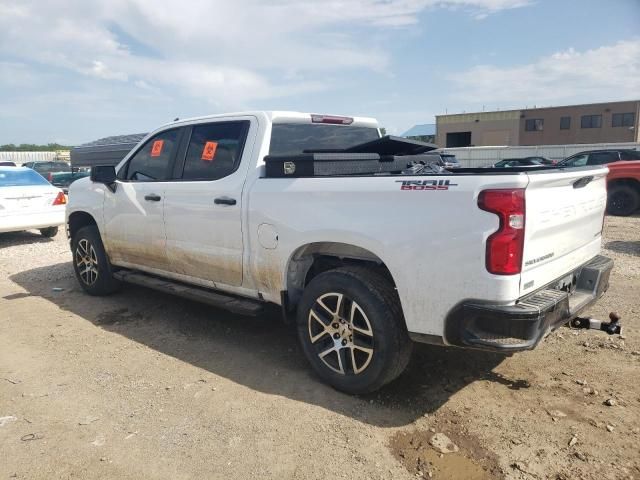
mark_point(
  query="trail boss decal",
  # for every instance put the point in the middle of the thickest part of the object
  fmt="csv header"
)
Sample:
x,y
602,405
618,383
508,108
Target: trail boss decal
x,y
426,184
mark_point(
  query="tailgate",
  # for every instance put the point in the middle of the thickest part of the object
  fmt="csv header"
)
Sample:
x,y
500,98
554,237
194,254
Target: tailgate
x,y
564,218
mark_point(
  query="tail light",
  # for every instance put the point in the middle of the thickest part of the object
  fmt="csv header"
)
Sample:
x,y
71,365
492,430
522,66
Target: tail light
x,y
60,199
50,177
505,246
331,119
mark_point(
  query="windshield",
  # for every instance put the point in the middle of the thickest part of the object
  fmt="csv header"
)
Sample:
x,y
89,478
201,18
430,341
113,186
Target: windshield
x,y
294,138
20,178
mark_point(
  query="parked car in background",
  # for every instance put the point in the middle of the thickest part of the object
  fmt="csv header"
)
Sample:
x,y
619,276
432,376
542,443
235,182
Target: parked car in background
x,y
524,162
28,201
7,164
599,157
64,179
623,188
44,168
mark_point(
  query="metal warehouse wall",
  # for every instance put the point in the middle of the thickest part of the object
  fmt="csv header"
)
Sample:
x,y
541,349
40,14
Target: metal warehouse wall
x,y
23,157
485,156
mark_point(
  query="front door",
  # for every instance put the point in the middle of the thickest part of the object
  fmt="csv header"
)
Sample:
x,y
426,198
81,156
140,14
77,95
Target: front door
x,y
203,207
134,213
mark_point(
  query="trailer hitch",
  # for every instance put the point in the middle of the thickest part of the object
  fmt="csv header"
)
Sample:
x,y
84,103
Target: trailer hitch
x,y
612,328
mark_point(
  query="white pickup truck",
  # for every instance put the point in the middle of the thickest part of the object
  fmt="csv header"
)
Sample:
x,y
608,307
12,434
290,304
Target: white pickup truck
x,y
364,264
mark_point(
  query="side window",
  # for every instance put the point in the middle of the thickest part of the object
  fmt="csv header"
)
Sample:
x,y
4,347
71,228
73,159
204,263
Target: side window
x,y
630,155
215,150
534,125
600,158
577,161
151,162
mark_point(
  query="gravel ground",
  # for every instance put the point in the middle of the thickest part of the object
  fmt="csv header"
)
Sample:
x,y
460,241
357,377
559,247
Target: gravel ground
x,y
142,385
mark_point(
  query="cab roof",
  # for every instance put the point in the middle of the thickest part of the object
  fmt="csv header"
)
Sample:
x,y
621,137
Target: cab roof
x,y
276,116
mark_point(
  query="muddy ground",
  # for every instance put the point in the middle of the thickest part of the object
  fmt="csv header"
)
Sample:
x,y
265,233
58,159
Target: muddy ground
x,y
142,385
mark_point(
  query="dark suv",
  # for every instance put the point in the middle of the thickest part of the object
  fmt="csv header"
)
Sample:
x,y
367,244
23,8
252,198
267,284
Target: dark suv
x,y
599,157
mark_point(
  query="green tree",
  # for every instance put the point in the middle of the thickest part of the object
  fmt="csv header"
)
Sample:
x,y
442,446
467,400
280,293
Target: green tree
x,y
31,147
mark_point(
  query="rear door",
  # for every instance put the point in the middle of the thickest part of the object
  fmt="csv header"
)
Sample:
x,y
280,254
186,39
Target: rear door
x,y
203,207
563,226
133,214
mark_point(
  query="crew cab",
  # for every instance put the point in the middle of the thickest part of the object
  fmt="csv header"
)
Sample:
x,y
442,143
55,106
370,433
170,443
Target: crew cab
x,y
363,263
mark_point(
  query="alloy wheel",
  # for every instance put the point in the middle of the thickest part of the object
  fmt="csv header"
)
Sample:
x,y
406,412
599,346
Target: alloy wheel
x,y
620,201
341,333
86,262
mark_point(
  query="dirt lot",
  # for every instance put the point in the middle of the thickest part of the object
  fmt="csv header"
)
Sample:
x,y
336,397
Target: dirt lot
x,y
141,385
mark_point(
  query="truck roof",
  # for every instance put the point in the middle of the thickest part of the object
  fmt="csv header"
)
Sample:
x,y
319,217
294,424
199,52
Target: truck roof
x,y
277,116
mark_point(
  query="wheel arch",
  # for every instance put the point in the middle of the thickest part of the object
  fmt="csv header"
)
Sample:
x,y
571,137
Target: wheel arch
x,y
311,259
80,219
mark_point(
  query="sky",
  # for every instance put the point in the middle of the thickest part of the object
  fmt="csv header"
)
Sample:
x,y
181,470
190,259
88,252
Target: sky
x,y
72,71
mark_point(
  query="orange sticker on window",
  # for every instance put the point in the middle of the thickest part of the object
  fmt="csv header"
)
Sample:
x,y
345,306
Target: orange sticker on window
x,y
156,148
209,151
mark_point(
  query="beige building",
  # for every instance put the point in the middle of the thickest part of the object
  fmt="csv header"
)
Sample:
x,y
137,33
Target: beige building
x,y
591,123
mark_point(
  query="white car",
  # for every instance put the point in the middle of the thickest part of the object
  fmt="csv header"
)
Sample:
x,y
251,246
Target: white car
x,y
238,210
28,201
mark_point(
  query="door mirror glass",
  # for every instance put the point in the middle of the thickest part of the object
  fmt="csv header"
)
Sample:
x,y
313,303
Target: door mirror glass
x,y
104,174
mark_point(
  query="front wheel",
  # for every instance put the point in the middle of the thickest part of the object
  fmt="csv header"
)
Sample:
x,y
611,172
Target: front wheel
x,y
91,264
352,331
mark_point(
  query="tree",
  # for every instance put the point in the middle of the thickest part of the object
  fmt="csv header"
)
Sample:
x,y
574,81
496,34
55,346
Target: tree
x,y
31,147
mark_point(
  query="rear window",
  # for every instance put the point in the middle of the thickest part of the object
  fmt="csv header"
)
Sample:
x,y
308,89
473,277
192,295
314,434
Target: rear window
x,y
20,178
294,138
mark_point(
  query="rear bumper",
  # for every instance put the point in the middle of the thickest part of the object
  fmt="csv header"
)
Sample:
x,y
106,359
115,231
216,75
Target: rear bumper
x,y
510,328
27,221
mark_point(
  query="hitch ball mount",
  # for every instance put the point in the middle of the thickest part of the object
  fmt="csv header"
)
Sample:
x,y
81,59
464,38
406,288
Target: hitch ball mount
x,y
612,328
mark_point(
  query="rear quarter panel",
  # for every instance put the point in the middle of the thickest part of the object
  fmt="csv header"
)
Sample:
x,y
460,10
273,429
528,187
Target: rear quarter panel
x,y
432,241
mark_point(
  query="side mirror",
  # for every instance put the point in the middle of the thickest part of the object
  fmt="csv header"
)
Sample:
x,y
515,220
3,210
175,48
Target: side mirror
x,y
104,174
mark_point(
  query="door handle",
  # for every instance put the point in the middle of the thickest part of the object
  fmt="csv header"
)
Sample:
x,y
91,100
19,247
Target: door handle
x,y
225,201
152,197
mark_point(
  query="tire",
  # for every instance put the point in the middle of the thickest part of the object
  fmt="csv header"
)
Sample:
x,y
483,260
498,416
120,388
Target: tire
x,y
623,200
352,330
91,264
49,232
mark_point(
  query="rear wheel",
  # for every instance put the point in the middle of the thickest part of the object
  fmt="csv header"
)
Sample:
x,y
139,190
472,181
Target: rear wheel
x,y
91,264
352,330
49,232
623,200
